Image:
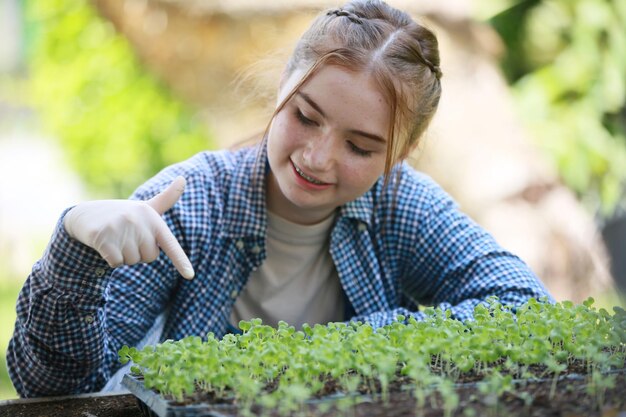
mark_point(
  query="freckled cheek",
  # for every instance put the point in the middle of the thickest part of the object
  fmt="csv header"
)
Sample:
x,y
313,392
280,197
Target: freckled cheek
x,y
358,175
288,133
365,173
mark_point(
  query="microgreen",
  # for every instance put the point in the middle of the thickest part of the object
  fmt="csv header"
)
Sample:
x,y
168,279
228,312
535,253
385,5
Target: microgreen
x,y
282,368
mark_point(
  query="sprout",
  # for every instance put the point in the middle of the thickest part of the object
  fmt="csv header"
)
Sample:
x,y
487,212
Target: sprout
x,y
282,368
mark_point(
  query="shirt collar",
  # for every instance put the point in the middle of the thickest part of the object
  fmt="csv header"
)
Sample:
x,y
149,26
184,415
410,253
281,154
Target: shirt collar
x,y
245,209
360,209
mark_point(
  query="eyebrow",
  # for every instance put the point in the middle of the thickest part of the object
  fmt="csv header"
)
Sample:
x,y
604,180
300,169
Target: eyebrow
x,y
317,108
313,104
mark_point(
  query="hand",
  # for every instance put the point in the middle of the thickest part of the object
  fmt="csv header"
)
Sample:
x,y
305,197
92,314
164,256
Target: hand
x,y
126,232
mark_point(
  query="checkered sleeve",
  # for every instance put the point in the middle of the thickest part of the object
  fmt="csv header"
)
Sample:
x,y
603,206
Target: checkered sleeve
x,y
449,261
74,312
58,334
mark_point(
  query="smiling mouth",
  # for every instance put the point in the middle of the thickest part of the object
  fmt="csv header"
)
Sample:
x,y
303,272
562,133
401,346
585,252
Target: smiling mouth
x,y
306,177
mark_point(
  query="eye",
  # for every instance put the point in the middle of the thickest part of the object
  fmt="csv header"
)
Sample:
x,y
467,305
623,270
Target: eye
x,y
304,120
359,151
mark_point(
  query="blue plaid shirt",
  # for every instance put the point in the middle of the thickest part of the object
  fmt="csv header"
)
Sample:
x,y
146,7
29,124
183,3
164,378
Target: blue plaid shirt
x,y
391,254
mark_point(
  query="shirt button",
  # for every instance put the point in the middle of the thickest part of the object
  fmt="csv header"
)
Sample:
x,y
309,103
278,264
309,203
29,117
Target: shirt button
x,y
256,249
89,319
234,294
100,272
239,244
362,227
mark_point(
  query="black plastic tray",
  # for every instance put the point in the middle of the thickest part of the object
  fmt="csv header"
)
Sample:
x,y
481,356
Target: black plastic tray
x,y
154,405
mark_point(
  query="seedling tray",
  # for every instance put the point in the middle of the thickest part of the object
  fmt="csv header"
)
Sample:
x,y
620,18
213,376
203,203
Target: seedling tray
x,y
154,405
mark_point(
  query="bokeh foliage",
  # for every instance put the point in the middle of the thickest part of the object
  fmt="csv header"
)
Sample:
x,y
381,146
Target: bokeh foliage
x,y
116,122
9,288
566,60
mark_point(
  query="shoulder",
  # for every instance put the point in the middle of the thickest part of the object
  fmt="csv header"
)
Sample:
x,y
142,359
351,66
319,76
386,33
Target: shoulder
x,y
412,190
204,172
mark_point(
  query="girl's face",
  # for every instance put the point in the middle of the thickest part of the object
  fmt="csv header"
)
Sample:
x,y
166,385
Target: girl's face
x,y
327,145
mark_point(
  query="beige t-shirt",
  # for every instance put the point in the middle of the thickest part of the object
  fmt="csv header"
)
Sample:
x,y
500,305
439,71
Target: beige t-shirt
x,y
297,282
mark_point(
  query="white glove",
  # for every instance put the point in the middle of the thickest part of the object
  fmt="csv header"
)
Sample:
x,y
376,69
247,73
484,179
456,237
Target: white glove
x,y
126,232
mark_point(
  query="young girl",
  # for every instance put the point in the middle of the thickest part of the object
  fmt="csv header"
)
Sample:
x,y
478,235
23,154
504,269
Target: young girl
x,y
321,221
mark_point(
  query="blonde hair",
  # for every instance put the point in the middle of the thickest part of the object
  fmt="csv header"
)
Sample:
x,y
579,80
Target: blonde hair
x,y
402,56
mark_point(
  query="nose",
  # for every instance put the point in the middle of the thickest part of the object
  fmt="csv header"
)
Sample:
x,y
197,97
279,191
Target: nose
x,y
320,153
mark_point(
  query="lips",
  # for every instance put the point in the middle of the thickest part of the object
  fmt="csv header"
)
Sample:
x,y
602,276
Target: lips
x,y
309,178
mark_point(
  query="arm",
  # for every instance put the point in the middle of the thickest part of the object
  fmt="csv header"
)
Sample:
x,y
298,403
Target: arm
x,y
63,340
448,261
59,341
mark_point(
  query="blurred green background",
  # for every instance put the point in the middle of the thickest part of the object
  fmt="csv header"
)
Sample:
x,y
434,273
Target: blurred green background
x,y
75,80
116,123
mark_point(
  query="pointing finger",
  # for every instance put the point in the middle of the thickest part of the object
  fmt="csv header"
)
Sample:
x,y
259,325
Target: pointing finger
x,y
168,197
166,241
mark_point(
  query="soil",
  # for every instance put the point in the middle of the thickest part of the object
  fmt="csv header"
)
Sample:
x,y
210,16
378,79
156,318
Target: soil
x,y
124,405
531,399
570,400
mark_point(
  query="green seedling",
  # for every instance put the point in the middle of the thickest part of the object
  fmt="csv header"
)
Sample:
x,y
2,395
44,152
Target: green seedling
x,y
282,368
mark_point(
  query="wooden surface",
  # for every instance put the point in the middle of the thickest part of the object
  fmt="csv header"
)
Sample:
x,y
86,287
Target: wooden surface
x,y
86,405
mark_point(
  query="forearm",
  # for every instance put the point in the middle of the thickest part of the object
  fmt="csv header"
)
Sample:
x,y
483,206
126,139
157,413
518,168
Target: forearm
x,y
497,273
463,266
461,311
58,345
494,273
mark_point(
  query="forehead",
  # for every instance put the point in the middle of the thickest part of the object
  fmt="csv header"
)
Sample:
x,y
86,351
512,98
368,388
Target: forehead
x,y
343,95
